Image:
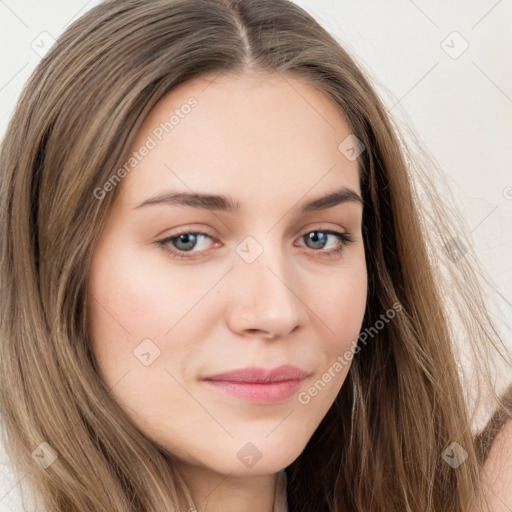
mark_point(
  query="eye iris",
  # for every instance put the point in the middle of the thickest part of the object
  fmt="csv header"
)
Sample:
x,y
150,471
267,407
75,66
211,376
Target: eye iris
x,y
314,237
189,238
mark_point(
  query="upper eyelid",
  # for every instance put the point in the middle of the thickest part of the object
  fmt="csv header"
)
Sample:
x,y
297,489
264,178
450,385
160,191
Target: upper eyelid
x,y
201,231
312,226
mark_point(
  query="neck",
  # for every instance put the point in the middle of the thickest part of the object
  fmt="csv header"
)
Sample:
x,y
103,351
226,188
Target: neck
x,y
215,492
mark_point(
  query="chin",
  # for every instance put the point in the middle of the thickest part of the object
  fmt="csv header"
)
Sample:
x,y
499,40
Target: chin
x,y
259,457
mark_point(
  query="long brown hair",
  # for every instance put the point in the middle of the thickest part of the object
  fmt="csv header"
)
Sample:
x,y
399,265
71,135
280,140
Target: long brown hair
x,y
405,400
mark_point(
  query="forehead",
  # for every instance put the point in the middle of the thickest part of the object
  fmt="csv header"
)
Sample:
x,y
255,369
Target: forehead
x,y
245,132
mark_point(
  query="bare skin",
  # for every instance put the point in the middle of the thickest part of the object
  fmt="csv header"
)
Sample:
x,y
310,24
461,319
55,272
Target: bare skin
x,y
271,143
497,474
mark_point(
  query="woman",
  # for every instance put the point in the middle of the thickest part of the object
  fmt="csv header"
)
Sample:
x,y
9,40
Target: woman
x,y
219,290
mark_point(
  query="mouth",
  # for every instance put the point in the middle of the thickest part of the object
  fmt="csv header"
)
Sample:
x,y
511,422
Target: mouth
x,y
258,385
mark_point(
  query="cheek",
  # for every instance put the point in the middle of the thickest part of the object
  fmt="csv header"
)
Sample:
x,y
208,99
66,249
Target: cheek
x,y
342,305
123,306
131,301
131,307
141,298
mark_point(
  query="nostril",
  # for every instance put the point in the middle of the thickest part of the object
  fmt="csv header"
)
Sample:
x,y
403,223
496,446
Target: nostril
x,y
266,335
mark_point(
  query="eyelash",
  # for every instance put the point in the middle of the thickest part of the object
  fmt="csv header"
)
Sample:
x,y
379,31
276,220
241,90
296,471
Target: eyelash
x,y
344,238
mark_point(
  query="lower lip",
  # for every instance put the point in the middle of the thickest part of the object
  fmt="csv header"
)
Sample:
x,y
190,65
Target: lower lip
x,y
258,393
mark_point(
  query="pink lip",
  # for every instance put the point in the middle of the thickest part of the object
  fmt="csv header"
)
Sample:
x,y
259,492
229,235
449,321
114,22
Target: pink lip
x,y
258,385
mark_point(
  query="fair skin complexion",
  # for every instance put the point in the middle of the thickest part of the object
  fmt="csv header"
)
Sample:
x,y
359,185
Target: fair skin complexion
x,y
497,474
269,142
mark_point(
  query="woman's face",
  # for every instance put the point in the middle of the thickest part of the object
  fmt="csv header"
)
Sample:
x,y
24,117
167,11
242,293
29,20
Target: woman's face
x,y
263,285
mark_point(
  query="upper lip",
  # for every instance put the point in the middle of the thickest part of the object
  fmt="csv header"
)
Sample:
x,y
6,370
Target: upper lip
x,y
259,375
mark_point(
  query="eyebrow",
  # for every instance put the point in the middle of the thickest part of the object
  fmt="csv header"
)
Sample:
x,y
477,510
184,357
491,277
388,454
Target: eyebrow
x,y
223,203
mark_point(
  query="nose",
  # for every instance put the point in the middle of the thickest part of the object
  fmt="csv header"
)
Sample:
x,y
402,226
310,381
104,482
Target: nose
x,y
266,299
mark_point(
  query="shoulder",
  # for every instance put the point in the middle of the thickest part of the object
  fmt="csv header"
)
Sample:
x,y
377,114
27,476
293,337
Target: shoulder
x,y
497,466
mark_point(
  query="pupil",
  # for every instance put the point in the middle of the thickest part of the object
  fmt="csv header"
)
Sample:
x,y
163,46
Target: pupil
x,y
314,237
185,239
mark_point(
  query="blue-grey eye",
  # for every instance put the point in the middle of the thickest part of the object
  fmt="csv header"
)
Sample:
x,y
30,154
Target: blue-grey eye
x,y
186,241
318,238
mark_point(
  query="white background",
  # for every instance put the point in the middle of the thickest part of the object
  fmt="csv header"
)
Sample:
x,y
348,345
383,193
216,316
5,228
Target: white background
x,y
460,107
